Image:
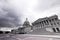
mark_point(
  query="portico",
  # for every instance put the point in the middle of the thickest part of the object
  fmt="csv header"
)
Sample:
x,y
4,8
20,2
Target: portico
x,y
47,22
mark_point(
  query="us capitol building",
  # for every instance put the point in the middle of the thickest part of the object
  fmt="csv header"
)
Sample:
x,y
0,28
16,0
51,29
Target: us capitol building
x,y
50,24
26,28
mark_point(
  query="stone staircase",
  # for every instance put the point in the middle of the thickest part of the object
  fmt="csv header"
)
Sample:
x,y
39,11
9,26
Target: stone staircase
x,y
43,32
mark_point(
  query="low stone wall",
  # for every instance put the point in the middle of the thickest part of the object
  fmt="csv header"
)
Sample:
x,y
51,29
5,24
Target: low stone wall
x,y
56,29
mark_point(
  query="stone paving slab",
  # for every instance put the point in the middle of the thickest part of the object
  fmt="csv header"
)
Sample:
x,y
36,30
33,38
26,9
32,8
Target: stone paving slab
x,y
29,37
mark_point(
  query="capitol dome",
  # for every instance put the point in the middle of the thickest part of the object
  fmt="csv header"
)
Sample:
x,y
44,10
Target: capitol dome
x,y
26,23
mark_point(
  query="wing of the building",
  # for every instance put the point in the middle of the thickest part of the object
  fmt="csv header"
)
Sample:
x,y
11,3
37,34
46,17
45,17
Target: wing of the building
x,y
51,23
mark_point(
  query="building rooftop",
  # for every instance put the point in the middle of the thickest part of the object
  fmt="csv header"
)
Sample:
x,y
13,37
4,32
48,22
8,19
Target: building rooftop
x,y
45,18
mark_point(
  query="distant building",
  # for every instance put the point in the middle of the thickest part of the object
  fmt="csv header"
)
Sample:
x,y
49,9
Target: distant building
x,y
51,24
4,30
15,31
21,30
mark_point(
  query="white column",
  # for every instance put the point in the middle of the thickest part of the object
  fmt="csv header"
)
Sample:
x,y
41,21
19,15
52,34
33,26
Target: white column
x,y
55,22
44,23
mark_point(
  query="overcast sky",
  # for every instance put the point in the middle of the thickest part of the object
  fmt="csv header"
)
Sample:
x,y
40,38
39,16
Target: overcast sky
x,y
31,9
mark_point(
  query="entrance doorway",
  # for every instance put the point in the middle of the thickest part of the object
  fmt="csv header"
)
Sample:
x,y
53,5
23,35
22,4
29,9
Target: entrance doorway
x,y
57,29
54,29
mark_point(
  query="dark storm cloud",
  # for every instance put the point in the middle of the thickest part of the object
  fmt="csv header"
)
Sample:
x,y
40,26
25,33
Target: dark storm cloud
x,y
28,8
8,17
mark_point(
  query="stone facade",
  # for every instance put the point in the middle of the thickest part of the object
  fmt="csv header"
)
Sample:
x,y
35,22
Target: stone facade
x,y
52,23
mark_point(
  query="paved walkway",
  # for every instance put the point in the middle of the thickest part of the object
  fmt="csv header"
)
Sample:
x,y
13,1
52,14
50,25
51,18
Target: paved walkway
x,y
29,37
35,35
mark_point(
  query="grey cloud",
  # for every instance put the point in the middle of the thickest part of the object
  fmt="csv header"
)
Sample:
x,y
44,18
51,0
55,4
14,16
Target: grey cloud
x,y
8,17
47,4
